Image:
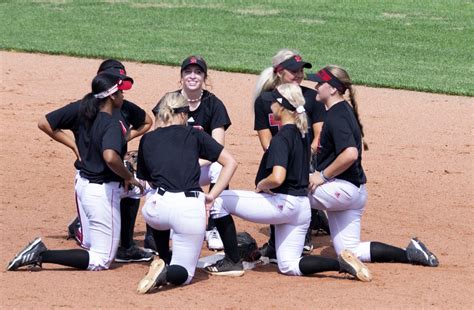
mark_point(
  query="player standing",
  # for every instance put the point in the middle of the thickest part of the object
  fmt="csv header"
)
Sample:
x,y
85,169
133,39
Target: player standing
x,y
280,198
287,67
338,185
136,122
168,159
206,113
100,144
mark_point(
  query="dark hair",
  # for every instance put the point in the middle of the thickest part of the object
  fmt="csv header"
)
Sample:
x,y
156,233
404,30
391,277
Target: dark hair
x,y
90,105
110,64
343,76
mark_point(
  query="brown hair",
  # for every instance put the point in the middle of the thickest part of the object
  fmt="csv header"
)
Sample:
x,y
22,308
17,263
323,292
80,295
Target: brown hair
x,y
343,76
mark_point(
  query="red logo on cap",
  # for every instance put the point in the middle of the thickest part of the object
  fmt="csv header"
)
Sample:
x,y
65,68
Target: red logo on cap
x,y
193,60
122,72
298,58
324,75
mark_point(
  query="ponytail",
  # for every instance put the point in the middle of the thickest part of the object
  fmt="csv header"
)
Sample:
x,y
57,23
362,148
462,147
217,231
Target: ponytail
x,y
168,106
267,80
294,95
90,107
356,114
343,77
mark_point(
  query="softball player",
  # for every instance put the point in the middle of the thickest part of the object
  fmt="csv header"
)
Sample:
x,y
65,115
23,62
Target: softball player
x,y
338,186
280,198
101,145
177,201
136,122
287,67
206,113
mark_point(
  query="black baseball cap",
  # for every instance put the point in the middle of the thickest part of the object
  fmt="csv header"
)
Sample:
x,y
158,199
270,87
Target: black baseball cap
x,y
110,64
325,76
293,63
194,60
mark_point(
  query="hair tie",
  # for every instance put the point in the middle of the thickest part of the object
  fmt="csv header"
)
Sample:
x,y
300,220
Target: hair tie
x,y
300,109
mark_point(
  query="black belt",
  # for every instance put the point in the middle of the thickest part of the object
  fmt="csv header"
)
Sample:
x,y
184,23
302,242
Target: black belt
x,y
161,191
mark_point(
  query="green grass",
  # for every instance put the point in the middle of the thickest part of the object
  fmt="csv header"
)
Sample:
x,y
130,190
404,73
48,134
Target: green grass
x,y
421,45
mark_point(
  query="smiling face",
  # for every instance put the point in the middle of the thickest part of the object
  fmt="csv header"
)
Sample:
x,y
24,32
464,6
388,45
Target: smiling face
x,y
295,77
192,78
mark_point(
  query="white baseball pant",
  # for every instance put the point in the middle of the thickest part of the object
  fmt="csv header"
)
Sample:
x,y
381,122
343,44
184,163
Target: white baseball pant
x,y
100,205
291,216
344,203
186,216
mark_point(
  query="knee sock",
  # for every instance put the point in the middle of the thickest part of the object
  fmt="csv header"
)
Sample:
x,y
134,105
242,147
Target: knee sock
x,y
162,241
314,218
76,258
211,224
128,215
271,240
226,228
176,274
313,264
384,253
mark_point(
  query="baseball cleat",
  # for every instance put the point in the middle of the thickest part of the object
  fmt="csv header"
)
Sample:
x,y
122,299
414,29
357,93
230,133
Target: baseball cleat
x,y
133,254
29,256
350,264
226,267
214,241
418,254
156,277
74,230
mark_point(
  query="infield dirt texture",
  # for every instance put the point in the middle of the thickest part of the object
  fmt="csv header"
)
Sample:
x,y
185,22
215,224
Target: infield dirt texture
x,y
420,182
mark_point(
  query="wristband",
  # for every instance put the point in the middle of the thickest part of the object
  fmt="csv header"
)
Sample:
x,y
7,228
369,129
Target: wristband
x,y
324,177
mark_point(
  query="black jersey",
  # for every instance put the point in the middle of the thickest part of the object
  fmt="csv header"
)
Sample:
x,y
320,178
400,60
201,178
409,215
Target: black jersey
x,y
290,151
168,157
210,114
68,118
340,131
264,116
105,133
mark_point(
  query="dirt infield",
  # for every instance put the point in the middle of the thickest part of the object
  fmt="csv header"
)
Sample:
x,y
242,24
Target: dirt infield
x,y
420,182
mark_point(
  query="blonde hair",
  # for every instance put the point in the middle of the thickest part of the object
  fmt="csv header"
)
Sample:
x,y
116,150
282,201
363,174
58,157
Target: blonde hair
x,y
166,105
268,79
343,76
294,95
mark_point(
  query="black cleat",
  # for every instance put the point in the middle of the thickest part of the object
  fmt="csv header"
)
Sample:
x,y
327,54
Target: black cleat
x,y
29,256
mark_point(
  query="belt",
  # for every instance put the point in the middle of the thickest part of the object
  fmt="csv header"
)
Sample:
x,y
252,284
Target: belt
x,y
161,191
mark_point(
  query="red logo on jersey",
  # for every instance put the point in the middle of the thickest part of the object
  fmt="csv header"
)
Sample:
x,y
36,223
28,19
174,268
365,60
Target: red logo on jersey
x,y
337,194
124,129
193,60
273,122
298,58
122,72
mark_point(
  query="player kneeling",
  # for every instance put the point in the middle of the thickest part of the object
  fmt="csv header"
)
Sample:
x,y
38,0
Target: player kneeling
x,y
168,159
281,198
